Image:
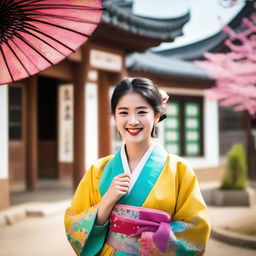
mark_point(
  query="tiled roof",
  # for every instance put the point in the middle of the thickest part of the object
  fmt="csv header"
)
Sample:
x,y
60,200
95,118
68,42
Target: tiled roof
x,y
120,15
156,64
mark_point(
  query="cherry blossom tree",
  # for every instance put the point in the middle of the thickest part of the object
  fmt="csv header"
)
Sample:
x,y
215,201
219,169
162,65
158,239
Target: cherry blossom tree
x,y
235,71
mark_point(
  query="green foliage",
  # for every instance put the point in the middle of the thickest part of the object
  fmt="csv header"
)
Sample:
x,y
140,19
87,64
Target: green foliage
x,y
236,169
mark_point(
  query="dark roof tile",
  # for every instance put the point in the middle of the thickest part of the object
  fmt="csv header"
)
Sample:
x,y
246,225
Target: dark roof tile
x,y
121,16
156,64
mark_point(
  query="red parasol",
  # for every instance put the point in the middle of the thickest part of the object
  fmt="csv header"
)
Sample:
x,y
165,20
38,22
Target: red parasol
x,y
36,34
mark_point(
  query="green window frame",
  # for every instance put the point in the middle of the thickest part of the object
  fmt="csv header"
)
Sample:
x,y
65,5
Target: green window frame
x,y
172,127
183,128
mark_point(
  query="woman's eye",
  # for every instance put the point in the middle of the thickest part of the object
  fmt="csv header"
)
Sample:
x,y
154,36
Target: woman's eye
x,y
142,113
123,113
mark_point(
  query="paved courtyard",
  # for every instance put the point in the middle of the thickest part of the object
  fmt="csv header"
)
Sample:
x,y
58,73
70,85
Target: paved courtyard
x,y
45,236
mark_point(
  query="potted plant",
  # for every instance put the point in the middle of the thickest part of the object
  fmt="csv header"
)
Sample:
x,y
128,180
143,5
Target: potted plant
x,y
234,190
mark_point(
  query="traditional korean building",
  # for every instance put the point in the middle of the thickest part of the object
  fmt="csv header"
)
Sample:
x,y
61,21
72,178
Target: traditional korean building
x,y
233,127
57,122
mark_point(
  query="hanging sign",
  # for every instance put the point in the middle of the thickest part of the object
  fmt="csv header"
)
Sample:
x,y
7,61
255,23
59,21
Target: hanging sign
x,y
105,60
66,120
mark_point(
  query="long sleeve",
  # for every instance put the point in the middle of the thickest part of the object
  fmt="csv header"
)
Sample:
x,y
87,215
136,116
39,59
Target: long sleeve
x,y
84,235
190,226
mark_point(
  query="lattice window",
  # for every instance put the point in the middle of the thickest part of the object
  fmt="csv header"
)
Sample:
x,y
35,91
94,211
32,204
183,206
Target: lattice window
x,y
183,129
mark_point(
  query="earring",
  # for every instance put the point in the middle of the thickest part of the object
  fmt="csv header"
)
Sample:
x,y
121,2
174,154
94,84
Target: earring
x,y
154,131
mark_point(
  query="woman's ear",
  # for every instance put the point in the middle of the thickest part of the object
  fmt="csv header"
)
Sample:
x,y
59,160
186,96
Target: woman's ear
x,y
156,118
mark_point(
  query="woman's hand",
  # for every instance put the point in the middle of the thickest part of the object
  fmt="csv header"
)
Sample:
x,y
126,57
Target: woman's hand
x,y
118,188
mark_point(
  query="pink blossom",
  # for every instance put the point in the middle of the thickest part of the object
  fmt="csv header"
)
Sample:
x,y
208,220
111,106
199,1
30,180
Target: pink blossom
x,y
235,71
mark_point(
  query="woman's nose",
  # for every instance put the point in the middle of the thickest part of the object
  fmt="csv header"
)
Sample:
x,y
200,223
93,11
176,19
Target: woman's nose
x,y
133,120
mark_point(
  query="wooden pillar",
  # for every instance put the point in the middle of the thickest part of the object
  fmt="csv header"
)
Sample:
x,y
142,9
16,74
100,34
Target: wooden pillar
x,y
106,79
104,115
31,137
251,149
80,71
4,148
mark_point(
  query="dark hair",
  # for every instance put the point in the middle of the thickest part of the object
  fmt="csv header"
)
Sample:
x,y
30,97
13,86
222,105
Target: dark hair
x,y
144,87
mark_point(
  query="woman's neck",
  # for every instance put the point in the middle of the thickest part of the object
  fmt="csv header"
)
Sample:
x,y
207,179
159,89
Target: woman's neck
x,y
136,151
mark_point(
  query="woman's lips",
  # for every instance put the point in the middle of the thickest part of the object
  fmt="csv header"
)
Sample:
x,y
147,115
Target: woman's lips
x,y
134,131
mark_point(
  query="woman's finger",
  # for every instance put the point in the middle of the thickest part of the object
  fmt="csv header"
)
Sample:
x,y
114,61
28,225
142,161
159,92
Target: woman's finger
x,y
123,189
122,184
126,179
122,175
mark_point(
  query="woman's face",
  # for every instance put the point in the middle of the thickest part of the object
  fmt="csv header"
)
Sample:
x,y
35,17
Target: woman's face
x,y
135,118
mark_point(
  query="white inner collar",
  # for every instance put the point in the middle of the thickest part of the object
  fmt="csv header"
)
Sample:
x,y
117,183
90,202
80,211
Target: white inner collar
x,y
135,174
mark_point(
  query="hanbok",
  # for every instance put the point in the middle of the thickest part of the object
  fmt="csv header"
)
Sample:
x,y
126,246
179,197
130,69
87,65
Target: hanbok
x,y
162,214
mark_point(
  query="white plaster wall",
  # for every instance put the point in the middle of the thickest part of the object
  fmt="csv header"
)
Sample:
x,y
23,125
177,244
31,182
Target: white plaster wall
x,y
91,124
4,136
211,138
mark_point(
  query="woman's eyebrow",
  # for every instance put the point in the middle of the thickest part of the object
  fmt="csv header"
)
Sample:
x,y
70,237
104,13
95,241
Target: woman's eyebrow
x,y
119,108
142,107
125,108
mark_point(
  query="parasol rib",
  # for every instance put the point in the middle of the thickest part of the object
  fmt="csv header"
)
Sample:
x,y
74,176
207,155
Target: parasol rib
x,y
58,26
6,64
17,57
54,39
39,53
26,31
27,56
63,18
63,7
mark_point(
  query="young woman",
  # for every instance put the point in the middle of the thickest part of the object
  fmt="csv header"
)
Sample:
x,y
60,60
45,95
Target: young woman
x,y
141,201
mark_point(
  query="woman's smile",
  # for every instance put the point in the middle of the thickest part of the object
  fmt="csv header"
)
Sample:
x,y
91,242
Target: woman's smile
x,y
134,131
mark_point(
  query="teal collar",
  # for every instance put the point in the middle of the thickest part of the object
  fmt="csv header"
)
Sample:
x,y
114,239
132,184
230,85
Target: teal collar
x,y
145,182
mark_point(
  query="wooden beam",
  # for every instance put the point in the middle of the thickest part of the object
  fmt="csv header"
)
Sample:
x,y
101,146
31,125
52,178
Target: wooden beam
x,y
79,71
106,80
60,71
104,115
31,138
